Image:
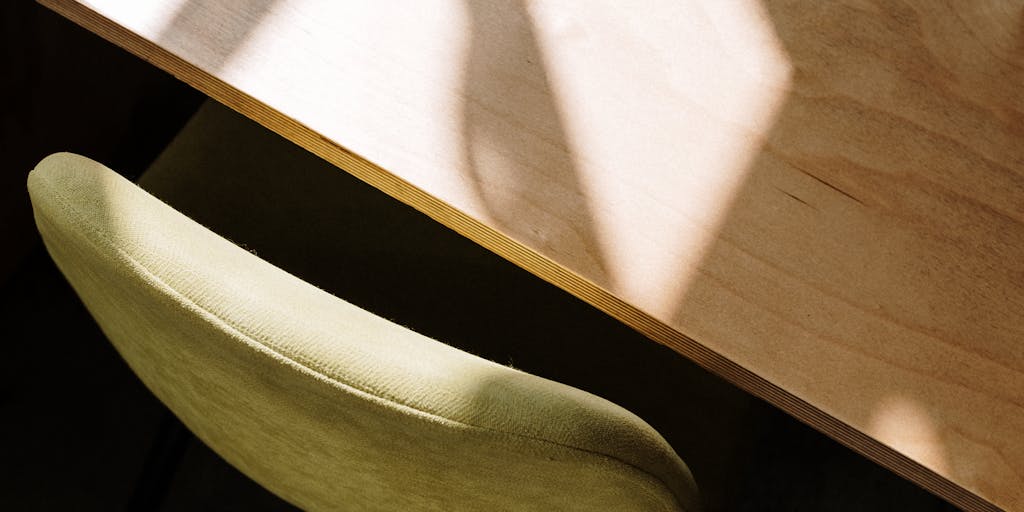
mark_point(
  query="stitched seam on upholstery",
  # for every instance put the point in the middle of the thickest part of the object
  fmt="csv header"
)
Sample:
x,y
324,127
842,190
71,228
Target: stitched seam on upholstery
x,y
254,342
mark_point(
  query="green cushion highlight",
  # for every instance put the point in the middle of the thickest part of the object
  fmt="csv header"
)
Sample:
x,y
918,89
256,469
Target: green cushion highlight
x,y
323,403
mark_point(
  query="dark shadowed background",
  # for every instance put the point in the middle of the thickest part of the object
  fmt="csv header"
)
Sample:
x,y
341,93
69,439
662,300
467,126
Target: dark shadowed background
x,y
82,433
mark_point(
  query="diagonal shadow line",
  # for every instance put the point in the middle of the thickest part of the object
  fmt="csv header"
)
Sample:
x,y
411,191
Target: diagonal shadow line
x,y
831,158
235,20
514,134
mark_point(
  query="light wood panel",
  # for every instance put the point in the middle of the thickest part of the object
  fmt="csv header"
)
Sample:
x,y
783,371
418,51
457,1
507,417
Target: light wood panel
x,y
821,202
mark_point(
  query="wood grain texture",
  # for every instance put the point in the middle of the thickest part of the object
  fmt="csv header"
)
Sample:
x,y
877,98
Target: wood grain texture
x,y
821,202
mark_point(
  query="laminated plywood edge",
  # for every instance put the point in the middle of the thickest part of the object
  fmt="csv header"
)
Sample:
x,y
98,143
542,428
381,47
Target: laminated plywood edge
x,y
517,253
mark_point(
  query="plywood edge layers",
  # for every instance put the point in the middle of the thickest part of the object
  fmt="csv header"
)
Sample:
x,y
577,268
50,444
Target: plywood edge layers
x,y
518,254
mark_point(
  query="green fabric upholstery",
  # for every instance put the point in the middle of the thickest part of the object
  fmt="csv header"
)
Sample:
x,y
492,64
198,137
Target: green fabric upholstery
x,y
319,401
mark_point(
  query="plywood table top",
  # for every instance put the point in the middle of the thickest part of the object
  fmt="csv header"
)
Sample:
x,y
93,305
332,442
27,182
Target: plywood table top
x,y
822,202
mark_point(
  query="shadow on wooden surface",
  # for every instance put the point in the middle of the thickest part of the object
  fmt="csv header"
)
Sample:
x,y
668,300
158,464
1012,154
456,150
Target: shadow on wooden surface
x,y
895,165
891,168
505,84
236,25
401,265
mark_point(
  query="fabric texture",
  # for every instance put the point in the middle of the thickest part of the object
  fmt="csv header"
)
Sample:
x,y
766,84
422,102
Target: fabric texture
x,y
321,402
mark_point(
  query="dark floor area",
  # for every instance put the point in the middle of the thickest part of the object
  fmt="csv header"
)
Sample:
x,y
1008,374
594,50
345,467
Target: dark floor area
x,y
82,432
66,89
79,425
88,426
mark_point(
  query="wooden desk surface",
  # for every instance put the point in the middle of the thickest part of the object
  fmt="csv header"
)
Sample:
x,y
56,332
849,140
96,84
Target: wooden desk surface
x,y
823,202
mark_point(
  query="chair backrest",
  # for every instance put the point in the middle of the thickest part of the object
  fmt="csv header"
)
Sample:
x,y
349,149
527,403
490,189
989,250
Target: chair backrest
x,y
321,402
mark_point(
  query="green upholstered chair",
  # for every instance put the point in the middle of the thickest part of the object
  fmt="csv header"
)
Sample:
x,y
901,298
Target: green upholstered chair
x,y
321,402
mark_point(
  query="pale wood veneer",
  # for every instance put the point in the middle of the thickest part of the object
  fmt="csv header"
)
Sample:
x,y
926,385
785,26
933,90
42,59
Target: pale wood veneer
x,y
823,202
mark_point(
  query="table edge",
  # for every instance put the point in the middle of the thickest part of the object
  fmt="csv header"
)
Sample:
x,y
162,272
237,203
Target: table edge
x,y
518,254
